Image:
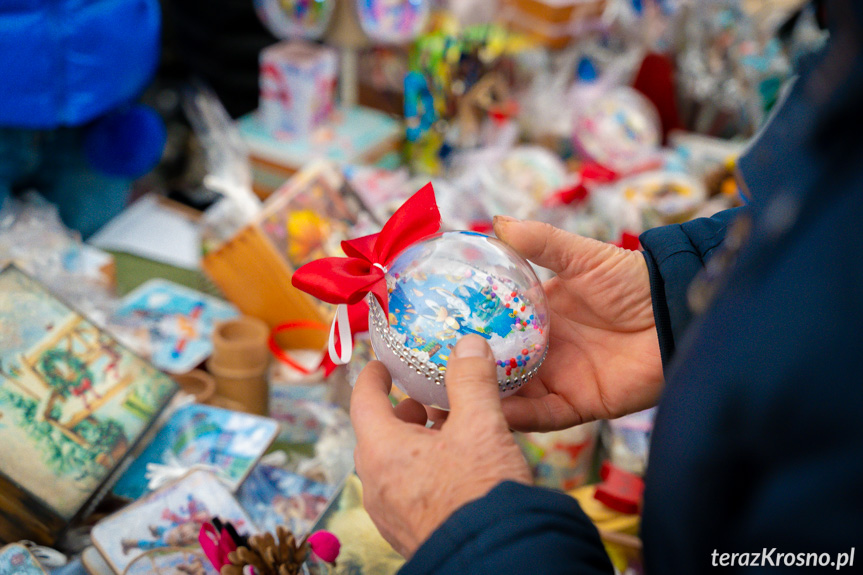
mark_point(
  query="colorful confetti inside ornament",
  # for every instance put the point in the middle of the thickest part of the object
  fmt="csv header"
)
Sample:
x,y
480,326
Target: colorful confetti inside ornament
x,y
393,21
449,286
296,19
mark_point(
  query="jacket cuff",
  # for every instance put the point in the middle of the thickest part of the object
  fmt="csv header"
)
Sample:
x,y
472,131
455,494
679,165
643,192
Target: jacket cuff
x,y
508,531
675,255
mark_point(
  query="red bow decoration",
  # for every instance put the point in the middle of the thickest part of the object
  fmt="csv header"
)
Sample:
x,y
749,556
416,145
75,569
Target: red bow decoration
x,y
348,280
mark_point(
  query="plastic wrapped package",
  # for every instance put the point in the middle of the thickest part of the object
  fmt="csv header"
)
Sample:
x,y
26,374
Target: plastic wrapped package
x,y
627,440
619,215
502,181
228,169
663,197
730,71
561,459
36,240
381,191
523,179
620,130
648,200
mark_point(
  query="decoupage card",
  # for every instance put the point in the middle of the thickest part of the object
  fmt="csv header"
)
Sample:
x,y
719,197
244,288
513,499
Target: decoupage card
x,y
16,559
94,563
170,517
228,441
275,496
302,411
73,403
172,562
171,323
308,217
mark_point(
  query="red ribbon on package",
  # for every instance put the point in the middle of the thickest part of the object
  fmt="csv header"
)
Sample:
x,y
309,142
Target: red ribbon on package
x,y
346,281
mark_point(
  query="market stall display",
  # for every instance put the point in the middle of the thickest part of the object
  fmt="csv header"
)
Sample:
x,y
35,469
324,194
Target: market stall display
x,y
605,118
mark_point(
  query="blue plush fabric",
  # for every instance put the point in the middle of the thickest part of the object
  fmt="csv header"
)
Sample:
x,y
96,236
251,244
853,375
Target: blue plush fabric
x,y
758,442
66,62
53,163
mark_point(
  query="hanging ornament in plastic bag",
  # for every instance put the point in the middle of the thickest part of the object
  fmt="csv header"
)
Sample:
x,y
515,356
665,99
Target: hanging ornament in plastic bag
x,y
393,21
295,19
425,291
619,130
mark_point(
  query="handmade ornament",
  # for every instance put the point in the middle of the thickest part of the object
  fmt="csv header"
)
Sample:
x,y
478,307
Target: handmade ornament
x,y
620,130
521,180
393,21
306,19
426,291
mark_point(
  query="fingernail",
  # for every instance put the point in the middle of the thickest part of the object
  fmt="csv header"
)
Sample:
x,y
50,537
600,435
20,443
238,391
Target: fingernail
x,y
503,220
472,346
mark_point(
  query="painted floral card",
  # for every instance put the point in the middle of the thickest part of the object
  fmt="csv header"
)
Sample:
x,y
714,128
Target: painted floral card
x,y
73,403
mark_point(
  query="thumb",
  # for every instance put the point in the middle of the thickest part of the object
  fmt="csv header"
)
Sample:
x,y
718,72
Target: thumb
x,y
545,245
471,382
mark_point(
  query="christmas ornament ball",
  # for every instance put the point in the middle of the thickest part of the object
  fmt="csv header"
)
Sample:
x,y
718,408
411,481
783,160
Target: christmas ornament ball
x,y
295,19
451,285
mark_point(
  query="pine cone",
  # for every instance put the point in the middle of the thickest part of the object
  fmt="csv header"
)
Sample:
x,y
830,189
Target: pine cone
x,y
267,556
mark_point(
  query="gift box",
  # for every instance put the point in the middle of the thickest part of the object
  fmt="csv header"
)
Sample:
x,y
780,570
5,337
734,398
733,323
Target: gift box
x,y
297,82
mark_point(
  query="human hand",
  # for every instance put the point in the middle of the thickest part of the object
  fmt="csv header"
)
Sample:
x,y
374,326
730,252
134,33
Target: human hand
x,y
603,358
413,477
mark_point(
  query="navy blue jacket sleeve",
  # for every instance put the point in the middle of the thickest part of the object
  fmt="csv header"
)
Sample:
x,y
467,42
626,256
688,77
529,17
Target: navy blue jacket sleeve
x,y
514,529
675,254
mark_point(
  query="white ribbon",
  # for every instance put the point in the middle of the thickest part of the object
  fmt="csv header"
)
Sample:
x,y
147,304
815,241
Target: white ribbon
x,y
343,321
346,338
159,474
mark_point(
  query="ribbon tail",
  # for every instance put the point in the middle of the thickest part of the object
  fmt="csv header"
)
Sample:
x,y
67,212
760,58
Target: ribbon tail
x,y
415,220
341,336
209,541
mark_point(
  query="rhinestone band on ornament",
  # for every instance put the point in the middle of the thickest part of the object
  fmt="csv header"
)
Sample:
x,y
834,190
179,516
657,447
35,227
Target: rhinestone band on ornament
x,y
429,369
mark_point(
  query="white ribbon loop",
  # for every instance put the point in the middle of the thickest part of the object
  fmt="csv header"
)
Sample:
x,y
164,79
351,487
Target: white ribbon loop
x,y
346,340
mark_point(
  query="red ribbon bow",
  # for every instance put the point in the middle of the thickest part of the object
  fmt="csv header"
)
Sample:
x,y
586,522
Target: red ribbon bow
x,y
348,280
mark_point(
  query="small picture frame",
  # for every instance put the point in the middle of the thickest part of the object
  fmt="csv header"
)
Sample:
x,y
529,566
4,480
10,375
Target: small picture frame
x,y
73,404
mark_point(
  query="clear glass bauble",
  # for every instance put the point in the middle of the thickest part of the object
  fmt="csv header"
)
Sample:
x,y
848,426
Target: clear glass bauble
x,y
451,285
619,130
393,21
295,19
